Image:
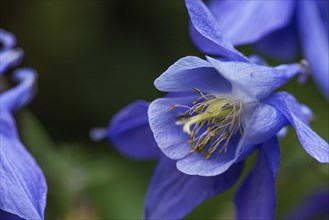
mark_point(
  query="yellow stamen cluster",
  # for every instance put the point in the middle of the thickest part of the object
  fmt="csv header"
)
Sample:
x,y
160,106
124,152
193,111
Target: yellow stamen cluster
x,y
211,122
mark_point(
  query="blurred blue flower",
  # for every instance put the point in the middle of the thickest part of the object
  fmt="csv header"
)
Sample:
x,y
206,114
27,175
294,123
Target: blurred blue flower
x,y
23,187
315,206
275,28
9,56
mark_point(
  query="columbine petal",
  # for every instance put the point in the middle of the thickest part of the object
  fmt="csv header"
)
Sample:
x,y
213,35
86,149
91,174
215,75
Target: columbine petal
x,y
288,47
8,216
282,133
315,43
20,95
292,110
206,34
261,124
22,187
131,134
195,164
324,13
242,26
7,39
10,58
172,194
190,72
168,135
256,197
254,80
255,59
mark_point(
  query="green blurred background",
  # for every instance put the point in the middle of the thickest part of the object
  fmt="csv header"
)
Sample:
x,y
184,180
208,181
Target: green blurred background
x,y
93,58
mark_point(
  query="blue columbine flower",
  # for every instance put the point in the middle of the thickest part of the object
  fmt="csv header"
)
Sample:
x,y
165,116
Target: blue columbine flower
x,y
231,114
276,28
173,194
233,97
23,187
216,113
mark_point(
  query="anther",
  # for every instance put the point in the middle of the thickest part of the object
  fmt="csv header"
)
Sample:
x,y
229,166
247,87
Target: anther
x,y
215,120
198,90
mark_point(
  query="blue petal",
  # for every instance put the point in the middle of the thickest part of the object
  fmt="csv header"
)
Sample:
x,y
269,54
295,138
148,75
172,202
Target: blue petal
x,y
195,164
314,206
261,124
255,59
315,43
130,132
172,194
246,22
281,44
8,216
315,146
306,115
324,13
190,72
256,197
206,34
282,133
7,39
170,137
253,80
20,95
23,187
9,59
